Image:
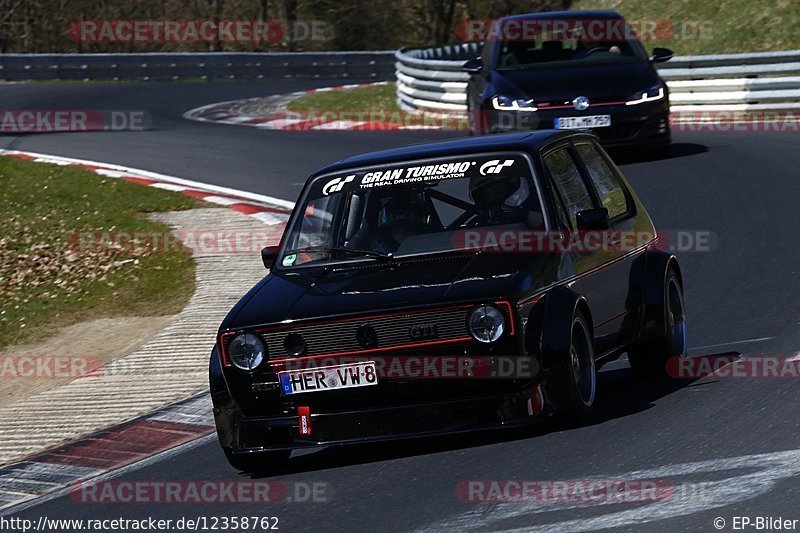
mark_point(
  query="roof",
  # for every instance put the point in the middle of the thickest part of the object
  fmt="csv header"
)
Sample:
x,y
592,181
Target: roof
x,y
524,141
567,15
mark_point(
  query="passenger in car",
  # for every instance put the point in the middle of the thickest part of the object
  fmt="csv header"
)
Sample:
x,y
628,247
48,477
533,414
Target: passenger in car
x,y
400,217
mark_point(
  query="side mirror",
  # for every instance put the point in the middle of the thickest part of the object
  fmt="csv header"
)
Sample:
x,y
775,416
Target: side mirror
x,y
661,55
268,256
473,66
593,219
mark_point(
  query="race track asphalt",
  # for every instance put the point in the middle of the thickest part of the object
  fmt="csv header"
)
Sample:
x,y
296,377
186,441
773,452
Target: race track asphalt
x,y
742,296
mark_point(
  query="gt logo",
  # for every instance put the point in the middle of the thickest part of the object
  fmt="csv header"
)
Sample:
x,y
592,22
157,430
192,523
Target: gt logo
x,y
336,184
494,166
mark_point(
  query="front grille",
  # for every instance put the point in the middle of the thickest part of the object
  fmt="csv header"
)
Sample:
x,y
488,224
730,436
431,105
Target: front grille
x,y
392,331
595,101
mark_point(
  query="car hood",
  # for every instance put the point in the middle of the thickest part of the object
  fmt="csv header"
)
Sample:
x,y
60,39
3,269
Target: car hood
x,y
310,293
554,84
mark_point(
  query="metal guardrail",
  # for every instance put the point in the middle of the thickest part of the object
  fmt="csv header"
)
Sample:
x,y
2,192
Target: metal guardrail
x,y
176,66
432,80
429,79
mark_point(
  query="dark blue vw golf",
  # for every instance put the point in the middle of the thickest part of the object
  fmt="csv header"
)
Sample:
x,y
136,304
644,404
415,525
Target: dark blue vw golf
x,y
574,70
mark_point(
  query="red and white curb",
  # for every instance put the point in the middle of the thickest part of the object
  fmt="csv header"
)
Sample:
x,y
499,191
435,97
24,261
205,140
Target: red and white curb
x,y
267,209
56,470
105,445
278,118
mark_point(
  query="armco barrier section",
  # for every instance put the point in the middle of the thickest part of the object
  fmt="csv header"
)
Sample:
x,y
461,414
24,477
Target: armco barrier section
x,y
428,79
176,66
432,79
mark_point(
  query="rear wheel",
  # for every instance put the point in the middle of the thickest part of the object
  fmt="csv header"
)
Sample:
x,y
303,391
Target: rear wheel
x,y
649,358
258,462
574,387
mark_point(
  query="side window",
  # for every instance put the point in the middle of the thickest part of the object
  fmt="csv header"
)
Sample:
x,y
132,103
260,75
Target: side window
x,y
569,183
609,188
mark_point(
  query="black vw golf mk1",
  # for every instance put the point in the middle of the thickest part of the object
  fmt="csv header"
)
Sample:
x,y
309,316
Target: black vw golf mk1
x,y
458,286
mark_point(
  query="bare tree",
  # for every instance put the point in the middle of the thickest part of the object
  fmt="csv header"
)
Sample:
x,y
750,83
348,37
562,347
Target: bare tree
x,y
436,20
43,25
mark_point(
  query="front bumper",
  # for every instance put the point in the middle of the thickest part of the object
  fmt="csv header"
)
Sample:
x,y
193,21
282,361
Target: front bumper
x,y
641,125
520,406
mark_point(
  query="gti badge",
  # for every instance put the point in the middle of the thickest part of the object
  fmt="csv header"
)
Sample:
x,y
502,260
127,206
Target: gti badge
x,y
422,332
366,336
581,103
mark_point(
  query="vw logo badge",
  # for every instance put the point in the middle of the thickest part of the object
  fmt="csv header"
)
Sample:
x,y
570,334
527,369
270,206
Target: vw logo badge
x,y
581,103
366,336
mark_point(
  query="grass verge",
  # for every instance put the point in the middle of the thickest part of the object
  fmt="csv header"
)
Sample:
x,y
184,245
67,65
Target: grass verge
x,y
373,103
374,98
47,282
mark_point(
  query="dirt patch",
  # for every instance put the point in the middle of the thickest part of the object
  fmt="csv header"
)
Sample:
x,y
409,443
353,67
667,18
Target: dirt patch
x,y
74,351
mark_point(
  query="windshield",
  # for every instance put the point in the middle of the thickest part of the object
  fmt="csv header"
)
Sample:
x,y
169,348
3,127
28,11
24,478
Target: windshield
x,y
572,48
410,209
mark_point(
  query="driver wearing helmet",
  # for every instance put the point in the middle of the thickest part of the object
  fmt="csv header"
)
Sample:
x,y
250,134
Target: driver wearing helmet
x,y
503,199
400,216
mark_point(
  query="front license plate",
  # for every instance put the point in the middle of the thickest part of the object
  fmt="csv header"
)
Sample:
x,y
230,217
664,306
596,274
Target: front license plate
x,y
583,123
328,378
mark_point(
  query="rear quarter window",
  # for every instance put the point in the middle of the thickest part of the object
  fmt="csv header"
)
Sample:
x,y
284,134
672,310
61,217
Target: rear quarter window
x,y
569,183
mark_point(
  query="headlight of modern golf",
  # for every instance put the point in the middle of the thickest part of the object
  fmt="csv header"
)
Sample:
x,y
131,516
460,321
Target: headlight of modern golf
x,y
486,324
246,351
656,92
504,103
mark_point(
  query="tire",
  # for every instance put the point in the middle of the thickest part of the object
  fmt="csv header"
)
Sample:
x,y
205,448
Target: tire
x,y
258,462
649,359
574,387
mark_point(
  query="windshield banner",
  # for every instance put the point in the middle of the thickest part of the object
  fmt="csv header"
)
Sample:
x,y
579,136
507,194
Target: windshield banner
x,y
428,172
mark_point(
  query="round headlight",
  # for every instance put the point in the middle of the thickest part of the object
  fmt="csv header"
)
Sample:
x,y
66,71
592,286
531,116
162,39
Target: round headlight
x,y
486,323
246,351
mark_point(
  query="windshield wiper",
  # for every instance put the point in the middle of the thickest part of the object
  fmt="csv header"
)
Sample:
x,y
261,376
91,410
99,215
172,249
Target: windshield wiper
x,y
368,253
